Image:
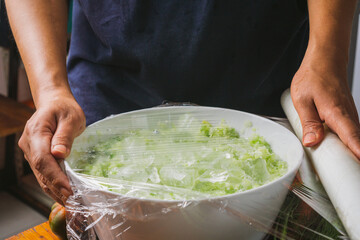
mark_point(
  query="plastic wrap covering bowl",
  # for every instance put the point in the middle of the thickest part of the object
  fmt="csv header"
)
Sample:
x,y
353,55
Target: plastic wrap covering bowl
x,y
244,215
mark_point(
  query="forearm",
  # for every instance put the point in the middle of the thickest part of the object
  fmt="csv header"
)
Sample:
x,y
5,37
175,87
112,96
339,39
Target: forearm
x,y
39,28
319,89
330,27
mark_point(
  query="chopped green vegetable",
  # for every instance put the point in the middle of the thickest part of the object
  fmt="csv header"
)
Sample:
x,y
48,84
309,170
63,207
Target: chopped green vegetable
x,y
186,159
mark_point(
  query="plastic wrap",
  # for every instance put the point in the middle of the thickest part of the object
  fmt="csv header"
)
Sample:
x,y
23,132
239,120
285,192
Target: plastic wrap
x,y
192,173
337,168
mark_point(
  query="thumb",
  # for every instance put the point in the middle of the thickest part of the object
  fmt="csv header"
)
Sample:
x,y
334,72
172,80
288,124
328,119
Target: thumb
x,y
62,140
313,129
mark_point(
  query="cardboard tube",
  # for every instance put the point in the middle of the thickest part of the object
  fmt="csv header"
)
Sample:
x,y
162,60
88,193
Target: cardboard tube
x,y
337,169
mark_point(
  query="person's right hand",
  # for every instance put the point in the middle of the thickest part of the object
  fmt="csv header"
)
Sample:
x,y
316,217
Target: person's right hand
x,y
47,139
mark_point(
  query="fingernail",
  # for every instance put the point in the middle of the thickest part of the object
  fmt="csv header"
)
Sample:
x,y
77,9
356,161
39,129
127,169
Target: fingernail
x,y
60,148
65,194
309,138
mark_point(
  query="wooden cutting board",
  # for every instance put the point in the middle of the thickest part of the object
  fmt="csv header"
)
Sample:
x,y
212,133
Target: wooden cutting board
x,y
41,231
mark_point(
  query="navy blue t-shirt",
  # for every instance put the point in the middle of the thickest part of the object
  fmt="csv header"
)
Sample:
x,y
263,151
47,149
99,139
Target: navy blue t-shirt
x,y
129,54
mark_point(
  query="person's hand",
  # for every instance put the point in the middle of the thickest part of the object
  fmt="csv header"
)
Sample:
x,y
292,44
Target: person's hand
x,y
321,94
47,139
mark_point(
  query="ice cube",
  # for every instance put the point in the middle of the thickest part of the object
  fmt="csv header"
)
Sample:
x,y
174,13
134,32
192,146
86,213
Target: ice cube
x,y
131,173
257,169
214,175
177,177
154,175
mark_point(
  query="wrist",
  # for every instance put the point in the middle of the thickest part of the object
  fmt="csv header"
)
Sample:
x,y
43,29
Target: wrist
x,y
53,94
325,58
328,51
49,86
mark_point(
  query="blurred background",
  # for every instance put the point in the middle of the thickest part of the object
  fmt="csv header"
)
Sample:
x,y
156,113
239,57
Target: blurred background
x,y
22,202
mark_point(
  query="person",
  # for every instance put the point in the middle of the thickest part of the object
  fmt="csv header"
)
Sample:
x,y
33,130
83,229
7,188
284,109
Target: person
x,y
127,55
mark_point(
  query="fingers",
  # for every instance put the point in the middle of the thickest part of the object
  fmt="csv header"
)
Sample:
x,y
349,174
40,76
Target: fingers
x,y
43,186
62,140
346,127
313,129
35,143
341,118
320,94
47,170
48,137
64,136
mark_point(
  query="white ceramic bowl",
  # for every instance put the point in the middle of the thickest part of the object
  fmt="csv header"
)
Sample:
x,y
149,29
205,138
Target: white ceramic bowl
x,y
245,215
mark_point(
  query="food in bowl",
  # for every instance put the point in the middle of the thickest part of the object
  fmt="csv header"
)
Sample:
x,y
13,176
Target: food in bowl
x,y
181,160
242,215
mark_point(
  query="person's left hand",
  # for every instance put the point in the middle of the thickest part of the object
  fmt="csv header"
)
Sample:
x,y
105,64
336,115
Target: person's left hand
x,y
321,94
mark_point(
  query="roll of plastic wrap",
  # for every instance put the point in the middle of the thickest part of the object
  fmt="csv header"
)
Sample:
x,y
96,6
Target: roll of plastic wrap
x,y
337,169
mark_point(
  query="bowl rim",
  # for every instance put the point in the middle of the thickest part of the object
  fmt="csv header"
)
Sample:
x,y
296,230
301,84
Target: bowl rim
x,y
288,174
